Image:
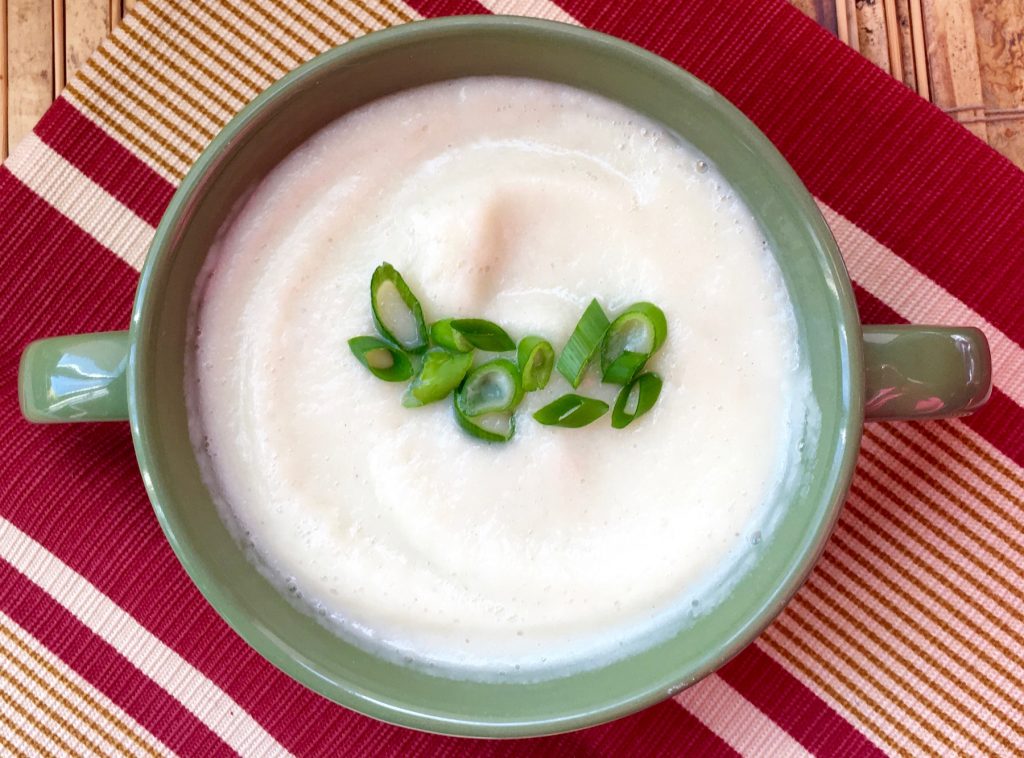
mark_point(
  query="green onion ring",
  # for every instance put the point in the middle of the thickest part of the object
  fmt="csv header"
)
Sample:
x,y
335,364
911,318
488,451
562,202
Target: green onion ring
x,y
441,373
443,334
648,388
483,335
571,411
625,367
384,275
384,360
474,426
492,387
633,337
535,358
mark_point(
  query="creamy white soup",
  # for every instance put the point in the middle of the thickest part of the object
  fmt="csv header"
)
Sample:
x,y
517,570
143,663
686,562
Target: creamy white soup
x,y
516,201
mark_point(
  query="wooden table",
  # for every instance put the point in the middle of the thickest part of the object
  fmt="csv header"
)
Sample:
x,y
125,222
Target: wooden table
x,y
966,56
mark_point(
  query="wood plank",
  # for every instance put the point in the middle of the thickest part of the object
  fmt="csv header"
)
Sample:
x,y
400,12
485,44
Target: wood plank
x,y
822,11
999,27
906,43
3,79
29,65
953,68
892,37
920,49
59,74
842,22
807,7
873,42
87,23
847,24
826,14
853,23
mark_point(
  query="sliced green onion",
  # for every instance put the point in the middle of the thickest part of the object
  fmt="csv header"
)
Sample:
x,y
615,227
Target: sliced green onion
x,y
441,373
633,337
635,399
571,411
384,360
483,335
583,343
443,334
492,387
625,367
493,427
396,311
536,358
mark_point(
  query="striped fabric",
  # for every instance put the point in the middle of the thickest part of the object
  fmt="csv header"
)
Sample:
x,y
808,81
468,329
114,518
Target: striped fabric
x,y
907,639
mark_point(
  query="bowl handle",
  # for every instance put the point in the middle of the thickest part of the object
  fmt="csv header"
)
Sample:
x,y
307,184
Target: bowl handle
x,y
920,372
81,377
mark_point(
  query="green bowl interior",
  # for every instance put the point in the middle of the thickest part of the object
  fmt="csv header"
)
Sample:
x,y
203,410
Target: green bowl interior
x,y
416,54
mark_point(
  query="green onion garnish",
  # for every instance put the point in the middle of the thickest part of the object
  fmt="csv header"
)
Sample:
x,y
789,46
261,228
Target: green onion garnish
x,y
483,335
571,411
384,360
583,343
441,373
492,387
633,337
443,334
396,311
485,398
493,427
635,399
536,358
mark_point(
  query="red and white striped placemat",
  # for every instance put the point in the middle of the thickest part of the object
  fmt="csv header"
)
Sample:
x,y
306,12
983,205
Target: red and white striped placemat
x,y
906,640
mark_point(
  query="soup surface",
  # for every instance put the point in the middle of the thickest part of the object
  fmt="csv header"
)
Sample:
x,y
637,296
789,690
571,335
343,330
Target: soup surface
x,y
516,201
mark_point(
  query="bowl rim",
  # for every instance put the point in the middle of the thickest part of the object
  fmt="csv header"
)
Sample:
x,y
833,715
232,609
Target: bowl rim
x,y
345,693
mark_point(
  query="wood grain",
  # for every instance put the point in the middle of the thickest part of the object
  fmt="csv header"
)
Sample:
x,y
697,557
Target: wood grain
x,y
822,11
966,56
920,50
848,26
3,79
953,64
29,65
57,46
999,27
842,22
872,39
86,22
906,43
891,32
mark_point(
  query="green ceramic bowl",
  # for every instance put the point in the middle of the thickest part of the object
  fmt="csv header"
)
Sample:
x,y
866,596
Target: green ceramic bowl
x,y
908,371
